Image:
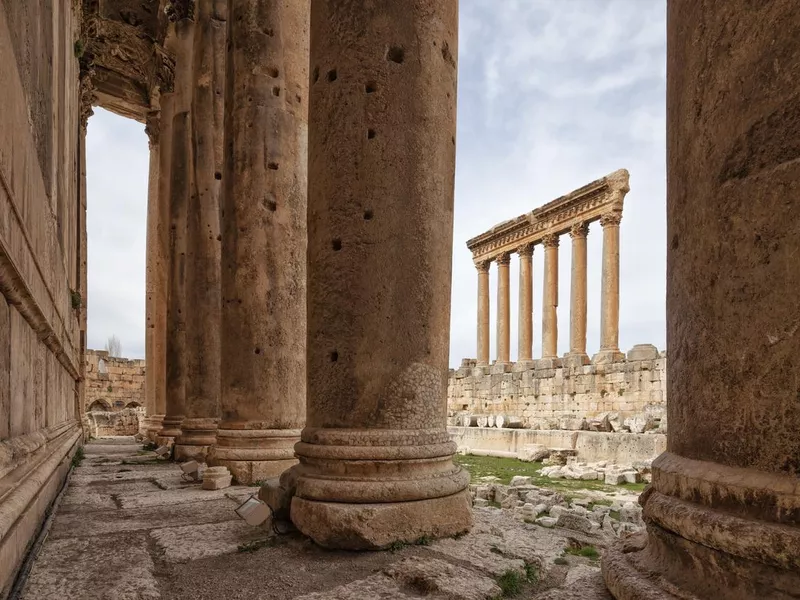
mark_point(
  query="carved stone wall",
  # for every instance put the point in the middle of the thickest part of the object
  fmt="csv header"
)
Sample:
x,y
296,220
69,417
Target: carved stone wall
x,y
113,384
624,395
41,279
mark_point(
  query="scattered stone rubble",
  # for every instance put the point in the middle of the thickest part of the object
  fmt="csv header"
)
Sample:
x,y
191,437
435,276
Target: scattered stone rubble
x,y
548,508
609,473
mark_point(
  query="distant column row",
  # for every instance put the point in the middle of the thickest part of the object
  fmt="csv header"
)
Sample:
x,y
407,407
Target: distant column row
x,y
609,342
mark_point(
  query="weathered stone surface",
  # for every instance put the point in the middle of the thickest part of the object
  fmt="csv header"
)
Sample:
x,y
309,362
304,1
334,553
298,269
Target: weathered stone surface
x,y
431,576
575,522
216,478
193,542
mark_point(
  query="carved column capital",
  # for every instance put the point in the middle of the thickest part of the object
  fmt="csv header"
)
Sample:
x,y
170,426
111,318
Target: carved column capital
x,y
177,10
612,219
483,266
164,69
550,241
579,230
525,250
503,259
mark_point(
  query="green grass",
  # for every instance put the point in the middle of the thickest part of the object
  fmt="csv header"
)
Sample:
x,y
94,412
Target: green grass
x,y
255,545
585,551
77,458
531,573
506,468
510,583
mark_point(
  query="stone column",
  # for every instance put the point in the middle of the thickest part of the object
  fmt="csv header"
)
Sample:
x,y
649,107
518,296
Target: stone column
x,y
483,312
503,309
525,351
181,189
577,323
550,298
375,458
264,239
153,260
157,368
201,410
609,292
723,510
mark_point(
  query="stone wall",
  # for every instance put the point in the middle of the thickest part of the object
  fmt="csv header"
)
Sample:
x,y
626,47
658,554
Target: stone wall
x,y
113,384
123,422
625,395
42,274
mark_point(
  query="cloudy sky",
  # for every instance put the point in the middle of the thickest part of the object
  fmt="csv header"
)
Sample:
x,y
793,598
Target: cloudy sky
x,y
552,94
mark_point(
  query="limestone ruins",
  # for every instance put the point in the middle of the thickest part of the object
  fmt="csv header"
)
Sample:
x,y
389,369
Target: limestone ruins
x,y
299,245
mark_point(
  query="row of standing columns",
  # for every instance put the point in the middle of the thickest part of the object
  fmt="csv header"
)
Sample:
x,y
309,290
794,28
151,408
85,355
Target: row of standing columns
x,y
336,371
609,341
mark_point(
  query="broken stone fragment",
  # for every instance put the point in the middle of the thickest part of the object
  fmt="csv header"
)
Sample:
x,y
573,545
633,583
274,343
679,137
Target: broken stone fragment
x,y
574,522
216,478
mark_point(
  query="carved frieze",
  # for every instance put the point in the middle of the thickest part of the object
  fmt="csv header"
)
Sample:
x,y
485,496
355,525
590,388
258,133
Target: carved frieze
x,y
177,10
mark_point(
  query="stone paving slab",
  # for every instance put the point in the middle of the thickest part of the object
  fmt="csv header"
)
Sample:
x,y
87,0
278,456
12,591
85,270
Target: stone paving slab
x,y
169,497
81,478
377,587
193,542
114,567
155,517
82,500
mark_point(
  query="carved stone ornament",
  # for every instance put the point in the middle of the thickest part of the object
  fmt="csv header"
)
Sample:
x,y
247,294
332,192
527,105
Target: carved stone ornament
x,y
579,230
612,218
550,241
525,250
504,258
177,10
483,266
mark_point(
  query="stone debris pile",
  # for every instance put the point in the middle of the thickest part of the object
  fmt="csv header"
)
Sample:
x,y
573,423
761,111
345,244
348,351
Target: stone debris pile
x,y
609,473
549,508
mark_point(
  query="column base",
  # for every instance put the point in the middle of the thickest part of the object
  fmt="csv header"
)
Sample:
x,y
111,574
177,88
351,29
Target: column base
x,y
607,356
197,437
375,526
170,430
576,359
254,455
152,425
548,362
713,531
501,367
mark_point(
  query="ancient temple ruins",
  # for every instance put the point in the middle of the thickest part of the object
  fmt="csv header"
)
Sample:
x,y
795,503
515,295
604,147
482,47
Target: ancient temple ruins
x,y
300,219
600,200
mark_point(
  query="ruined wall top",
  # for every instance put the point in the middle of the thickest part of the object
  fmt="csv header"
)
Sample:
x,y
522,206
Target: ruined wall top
x,y
580,207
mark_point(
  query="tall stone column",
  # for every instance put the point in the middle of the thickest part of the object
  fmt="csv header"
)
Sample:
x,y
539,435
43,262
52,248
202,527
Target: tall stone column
x,y
550,298
375,457
609,291
525,351
153,260
503,309
201,410
180,190
263,366
483,312
723,510
578,305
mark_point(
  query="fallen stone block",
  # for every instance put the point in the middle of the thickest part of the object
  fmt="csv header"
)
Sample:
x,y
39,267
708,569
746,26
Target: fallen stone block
x,y
548,522
520,480
216,478
534,453
574,522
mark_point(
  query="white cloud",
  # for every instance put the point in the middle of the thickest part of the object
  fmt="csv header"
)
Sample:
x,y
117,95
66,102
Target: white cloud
x,y
552,94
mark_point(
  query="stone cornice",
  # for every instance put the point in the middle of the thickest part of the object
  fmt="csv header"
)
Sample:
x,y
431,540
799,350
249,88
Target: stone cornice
x,y
584,205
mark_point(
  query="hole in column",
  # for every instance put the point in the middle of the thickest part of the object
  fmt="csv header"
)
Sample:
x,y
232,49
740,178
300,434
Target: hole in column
x,y
396,54
276,91
371,87
332,75
217,175
258,350
334,356
315,76
271,203
336,244
370,134
273,72
273,166
367,215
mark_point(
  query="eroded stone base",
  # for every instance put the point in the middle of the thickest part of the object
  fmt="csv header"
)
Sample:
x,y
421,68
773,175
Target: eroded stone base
x,y
184,452
374,526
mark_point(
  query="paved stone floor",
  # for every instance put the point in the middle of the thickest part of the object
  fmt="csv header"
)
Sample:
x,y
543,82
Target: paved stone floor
x,y
129,528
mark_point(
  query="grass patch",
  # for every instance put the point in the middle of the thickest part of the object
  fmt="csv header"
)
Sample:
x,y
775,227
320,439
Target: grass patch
x,y
510,583
531,573
425,540
258,483
149,446
255,545
78,457
585,551
396,546
506,468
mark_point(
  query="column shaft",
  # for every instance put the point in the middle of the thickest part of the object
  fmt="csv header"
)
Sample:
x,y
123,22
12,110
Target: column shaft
x,y
153,260
264,239
550,298
525,351
723,509
483,312
578,302
375,458
503,309
203,235
609,316
181,189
